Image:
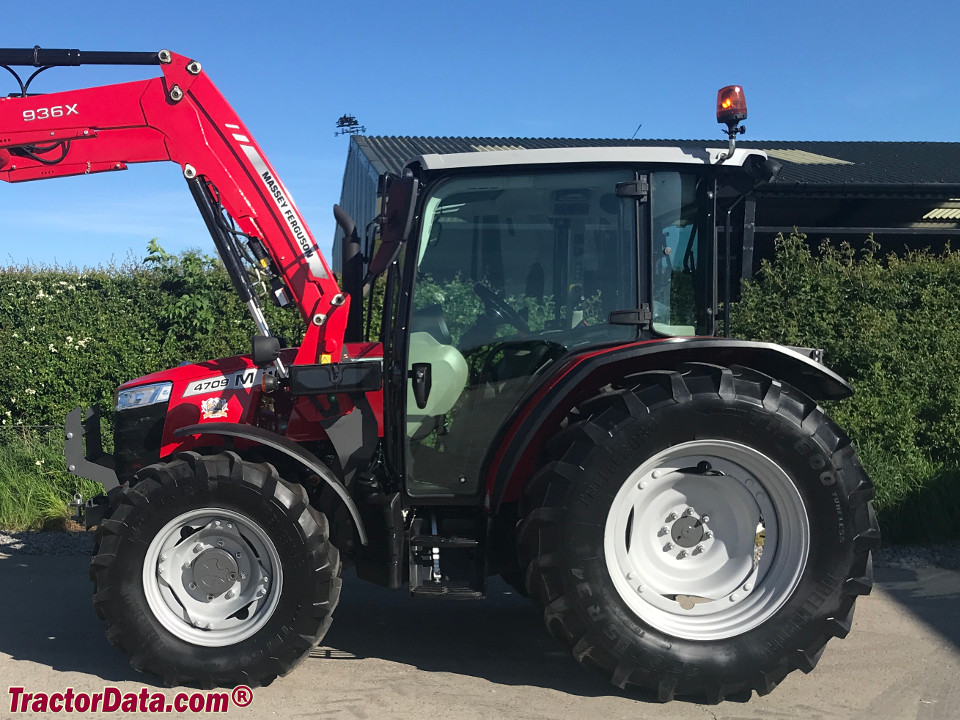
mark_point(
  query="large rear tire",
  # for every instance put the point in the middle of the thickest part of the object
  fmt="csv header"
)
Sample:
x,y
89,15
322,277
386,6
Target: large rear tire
x,y
212,571
703,533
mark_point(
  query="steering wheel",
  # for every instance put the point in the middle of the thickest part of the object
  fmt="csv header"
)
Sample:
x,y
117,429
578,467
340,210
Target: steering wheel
x,y
495,306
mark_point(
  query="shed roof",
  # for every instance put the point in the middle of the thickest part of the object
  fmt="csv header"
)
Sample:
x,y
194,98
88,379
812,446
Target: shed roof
x,y
816,163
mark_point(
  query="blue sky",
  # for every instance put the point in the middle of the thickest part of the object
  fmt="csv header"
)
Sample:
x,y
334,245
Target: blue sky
x,y
811,71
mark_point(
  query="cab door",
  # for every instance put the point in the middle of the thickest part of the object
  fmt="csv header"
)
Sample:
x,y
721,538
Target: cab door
x,y
509,272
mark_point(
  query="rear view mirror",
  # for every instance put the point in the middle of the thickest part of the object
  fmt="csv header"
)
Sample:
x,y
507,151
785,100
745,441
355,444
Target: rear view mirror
x,y
400,204
264,350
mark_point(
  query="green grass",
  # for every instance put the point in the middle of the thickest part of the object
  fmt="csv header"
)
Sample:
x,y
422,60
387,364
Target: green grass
x,y
34,485
918,501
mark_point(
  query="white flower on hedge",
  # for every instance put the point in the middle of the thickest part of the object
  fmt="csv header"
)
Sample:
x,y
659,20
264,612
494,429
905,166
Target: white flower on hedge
x,y
30,391
16,335
83,343
69,339
41,294
52,348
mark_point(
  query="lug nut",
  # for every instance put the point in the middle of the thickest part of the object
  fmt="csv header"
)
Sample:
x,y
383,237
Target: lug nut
x,y
209,598
656,473
682,554
163,558
239,553
641,485
688,512
230,594
668,547
219,543
734,597
192,586
197,548
747,587
671,517
705,518
698,549
663,531
707,535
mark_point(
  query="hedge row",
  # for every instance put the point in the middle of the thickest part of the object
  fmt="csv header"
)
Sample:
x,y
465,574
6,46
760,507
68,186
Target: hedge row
x,y
70,337
891,325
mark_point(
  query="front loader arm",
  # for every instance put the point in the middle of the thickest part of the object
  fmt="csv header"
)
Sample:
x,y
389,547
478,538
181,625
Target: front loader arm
x,y
183,118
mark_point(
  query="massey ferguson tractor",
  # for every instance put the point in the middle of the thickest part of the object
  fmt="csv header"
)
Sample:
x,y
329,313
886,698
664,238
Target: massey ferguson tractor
x,y
550,398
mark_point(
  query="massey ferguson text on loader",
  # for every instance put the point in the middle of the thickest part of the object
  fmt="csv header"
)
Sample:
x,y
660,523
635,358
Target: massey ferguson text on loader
x,y
547,400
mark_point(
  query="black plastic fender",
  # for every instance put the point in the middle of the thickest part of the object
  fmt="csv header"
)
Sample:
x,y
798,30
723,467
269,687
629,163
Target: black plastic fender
x,y
288,448
580,375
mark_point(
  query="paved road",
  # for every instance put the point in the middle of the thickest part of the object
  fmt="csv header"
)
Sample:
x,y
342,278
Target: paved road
x,y
389,656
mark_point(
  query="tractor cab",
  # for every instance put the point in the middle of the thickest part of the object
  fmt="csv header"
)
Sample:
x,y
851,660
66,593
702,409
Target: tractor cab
x,y
520,259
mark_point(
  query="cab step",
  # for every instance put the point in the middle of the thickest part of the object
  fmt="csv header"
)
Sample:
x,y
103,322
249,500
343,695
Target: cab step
x,y
447,558
436,541
447,592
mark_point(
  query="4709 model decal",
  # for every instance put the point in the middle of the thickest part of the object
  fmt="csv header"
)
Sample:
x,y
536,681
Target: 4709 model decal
x,y
243,380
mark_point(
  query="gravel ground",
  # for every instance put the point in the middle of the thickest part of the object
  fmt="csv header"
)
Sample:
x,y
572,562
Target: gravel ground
x,y
943,555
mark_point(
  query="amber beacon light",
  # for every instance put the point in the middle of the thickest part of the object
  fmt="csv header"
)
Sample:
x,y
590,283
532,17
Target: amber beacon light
x,y
731,105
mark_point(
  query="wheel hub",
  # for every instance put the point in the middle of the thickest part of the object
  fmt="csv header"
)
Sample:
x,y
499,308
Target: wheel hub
x,y
687,532
215,571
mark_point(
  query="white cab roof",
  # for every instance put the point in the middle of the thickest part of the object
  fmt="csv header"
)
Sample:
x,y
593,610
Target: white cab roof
x,y
559,156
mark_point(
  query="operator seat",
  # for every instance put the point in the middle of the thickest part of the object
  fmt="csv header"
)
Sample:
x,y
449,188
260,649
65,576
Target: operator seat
x,y
449,373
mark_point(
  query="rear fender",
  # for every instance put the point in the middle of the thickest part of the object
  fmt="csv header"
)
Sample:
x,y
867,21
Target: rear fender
x,y
579,377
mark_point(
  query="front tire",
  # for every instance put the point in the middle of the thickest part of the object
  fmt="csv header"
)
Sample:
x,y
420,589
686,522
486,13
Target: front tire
x,y
699,533
213,571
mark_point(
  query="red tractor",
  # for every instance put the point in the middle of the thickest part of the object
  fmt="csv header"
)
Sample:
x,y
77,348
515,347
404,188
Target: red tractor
x,y
546,400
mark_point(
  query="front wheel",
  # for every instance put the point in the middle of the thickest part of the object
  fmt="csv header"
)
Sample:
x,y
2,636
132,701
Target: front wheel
x,y
702,533
215,572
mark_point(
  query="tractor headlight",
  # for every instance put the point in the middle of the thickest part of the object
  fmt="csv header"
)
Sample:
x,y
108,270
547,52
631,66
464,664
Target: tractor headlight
x,y
143,395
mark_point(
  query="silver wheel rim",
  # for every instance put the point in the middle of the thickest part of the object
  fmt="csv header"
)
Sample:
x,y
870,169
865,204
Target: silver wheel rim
x,y
212,577
684,532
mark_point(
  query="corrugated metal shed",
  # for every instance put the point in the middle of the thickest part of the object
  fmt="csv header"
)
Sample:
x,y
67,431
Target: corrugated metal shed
x,y
830,185
804,162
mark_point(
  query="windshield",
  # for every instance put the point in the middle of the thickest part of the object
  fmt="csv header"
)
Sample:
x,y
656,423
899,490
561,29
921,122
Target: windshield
x,y
558,250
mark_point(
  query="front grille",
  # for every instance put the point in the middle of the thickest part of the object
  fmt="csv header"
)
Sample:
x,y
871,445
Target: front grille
x,y
137,435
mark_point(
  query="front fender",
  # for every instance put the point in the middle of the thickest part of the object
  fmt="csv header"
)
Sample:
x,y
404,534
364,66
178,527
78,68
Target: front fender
x,y
287,447
579,377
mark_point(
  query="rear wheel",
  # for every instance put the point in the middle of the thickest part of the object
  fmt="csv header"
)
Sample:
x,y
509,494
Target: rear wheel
x,y
702,533
213,571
